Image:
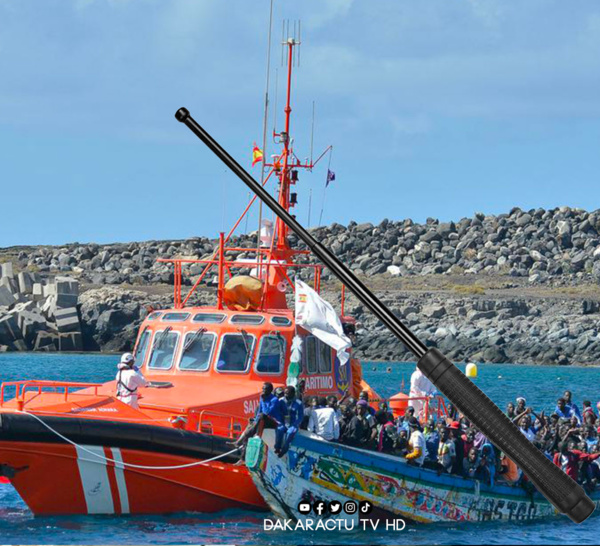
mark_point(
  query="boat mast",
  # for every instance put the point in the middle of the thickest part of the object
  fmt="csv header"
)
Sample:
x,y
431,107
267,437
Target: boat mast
x,y
285,158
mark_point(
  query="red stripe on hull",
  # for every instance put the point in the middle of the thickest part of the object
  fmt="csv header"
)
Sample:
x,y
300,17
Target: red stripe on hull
x,y
49,481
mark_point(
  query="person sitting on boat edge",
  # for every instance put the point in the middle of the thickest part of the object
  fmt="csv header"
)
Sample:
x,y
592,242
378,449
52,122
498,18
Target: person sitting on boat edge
x,y
270,413
324,422
129,380
293,419
416,443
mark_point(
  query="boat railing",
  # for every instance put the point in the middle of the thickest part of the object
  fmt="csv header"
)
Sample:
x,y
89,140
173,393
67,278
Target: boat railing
x,y
428,406
21,387
224,266
216,424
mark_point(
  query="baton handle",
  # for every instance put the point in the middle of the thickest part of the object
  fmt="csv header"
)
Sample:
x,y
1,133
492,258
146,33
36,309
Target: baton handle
x,y
568,497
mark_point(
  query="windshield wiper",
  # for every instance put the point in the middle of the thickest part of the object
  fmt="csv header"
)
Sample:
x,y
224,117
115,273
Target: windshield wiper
x,y
163,336
197,336
281,341
247,344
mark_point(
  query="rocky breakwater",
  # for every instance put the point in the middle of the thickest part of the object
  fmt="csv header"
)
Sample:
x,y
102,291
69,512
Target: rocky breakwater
x,y
487,329
557,246
37,314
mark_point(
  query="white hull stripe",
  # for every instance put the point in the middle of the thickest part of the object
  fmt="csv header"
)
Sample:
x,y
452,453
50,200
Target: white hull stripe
x,y
94,480
120,476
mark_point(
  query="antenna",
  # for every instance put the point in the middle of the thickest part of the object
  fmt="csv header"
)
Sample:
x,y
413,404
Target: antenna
x,y
299,40
294,39
283,41
276,96
312,134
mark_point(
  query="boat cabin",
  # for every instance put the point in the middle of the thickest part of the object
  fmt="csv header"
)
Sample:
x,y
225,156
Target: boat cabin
x,y
219,358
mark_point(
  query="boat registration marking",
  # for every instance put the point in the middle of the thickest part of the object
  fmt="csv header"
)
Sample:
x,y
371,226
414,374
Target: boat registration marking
x,y
94,480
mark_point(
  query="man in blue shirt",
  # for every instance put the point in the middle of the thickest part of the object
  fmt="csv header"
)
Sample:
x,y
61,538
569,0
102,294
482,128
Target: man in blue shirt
x,y
294,413
572,406
270,413
270,408
565,411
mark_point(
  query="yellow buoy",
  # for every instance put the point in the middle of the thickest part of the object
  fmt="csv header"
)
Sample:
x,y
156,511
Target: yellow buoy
x,y
471,371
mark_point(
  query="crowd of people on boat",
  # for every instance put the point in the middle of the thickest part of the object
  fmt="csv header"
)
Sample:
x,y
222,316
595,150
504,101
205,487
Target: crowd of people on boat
x,y
448,444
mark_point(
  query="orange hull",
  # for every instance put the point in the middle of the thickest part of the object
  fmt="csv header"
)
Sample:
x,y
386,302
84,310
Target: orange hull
x,y
58,479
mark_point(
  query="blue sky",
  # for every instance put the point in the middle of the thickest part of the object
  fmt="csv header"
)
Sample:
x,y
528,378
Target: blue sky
x,y
434,107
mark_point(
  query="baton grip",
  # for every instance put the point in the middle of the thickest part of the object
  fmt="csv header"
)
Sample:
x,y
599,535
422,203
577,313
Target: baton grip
x,y
567,496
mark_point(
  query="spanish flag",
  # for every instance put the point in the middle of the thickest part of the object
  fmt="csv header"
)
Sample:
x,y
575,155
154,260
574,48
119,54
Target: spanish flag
x,y
257,154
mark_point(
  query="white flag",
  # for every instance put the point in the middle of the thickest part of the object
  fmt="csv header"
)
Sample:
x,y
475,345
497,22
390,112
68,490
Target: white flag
x,y
317,316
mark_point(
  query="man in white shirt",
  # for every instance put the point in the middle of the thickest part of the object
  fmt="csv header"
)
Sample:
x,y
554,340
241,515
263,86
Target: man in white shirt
x,y
420,387
324,422
129,380
416,443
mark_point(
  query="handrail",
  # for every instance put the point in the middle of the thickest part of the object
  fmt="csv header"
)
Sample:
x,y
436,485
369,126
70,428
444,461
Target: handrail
x,y
202,414
22,386
440,406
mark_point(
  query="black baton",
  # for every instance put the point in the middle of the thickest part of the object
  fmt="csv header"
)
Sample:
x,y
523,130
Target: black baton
x,y
566,495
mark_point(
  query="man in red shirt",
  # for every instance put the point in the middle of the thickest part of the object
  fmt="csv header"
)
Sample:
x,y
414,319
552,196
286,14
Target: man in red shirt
x,y
568,459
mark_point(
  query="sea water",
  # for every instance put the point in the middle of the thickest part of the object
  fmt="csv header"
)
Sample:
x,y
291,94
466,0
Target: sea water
x,y
503,383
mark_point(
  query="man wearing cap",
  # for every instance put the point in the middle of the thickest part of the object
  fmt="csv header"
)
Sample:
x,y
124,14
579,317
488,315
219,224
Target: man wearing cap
x,y
456,438
416,443
129,380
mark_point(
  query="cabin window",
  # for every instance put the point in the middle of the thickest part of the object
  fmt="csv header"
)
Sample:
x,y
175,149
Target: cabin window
x,y
175,317
154,316
209,318
236,353
324,357
271,355
142,347
197,350
309,354
281,321
163,350
247,319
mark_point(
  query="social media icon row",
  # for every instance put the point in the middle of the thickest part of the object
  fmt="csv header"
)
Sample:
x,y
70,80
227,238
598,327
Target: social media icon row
x,y
321,508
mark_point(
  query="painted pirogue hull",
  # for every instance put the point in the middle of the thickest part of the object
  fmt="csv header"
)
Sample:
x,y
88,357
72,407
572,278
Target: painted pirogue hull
x,y
315,469
54,477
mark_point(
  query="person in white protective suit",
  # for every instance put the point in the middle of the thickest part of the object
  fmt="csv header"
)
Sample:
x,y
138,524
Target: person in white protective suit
x,y
129,380
420,387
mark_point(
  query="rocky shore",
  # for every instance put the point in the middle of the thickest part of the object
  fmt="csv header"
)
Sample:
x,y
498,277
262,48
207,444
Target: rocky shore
x,y
518,287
